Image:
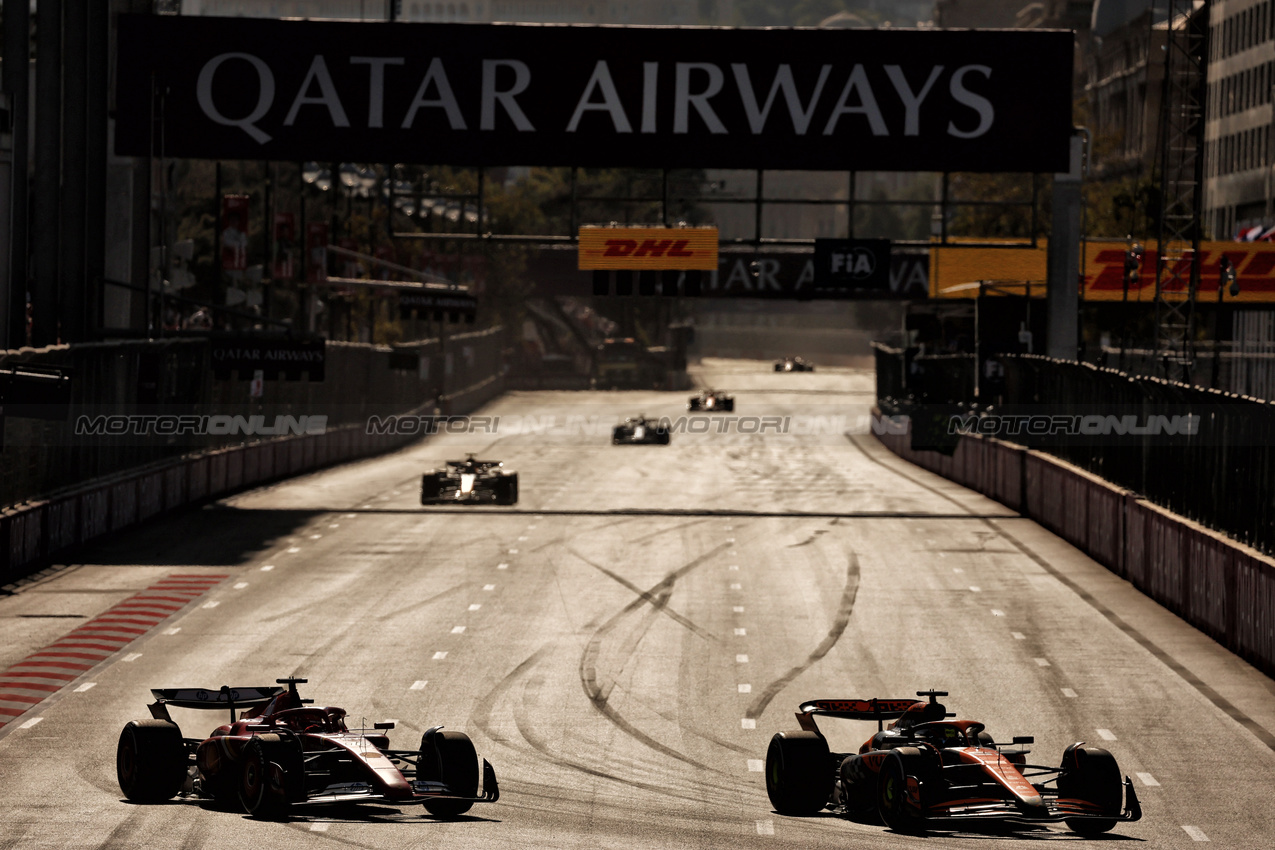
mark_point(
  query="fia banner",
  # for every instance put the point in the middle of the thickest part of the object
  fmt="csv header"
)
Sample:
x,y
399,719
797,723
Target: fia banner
x,y
589,96
852,264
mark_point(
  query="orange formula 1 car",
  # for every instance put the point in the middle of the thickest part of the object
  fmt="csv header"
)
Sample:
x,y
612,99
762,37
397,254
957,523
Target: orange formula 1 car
x,y
927,771
282,751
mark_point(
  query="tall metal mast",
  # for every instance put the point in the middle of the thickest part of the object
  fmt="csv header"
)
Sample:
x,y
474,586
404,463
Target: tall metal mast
x,y
1181,157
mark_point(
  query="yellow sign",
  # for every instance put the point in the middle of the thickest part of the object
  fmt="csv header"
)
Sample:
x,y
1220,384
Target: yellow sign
x,y
651,248
958,272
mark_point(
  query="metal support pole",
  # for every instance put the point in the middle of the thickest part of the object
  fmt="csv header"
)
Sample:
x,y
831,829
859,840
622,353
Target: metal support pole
x,y
95,153
1062,295
757,210
850,207
48,155
16,83
71,282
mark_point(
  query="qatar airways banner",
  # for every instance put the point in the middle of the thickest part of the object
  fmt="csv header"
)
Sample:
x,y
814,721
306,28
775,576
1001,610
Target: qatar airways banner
x,y
663,97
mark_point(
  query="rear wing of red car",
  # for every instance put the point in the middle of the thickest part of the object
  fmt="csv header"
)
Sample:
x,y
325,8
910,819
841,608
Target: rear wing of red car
x,y
224,698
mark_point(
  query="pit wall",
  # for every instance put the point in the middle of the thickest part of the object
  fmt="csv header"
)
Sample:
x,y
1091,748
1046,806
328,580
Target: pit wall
x,y
47,530
1223,588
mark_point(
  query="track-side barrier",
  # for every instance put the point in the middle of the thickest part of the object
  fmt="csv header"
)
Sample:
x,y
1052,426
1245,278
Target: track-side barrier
x,y
1223,588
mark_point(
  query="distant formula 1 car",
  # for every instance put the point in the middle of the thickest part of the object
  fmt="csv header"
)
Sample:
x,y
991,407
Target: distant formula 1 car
x,y
928,772
794,364
713,400
640,432
470,481
282,752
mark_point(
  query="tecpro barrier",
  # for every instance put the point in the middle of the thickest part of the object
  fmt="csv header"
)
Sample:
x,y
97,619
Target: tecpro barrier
x,y
1223,588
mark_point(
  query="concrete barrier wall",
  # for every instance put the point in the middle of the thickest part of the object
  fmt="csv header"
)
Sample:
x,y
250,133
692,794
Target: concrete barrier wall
x,y
34,533
1223,588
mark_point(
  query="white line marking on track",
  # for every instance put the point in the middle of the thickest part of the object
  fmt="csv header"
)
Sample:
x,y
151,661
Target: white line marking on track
x,y
132,656
524,537
87,686
240,585
736,586
33,721
765,827
1196,833
996,612
458,630
350,516
1106,735
530,527
1042,662
292,550
319,826
1018,636
267,568
1149,780
174,630
738,609
513,551
1069,693
334,525
439,656
475,606
734,567
747,723
315,536
745,689
210,604
741,632
489,587
741,659
502,566
975,589
957,570
419,685
730,539
756,765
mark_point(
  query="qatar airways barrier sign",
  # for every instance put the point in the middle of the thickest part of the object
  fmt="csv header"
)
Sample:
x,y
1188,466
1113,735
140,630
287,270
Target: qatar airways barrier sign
x,y
495,94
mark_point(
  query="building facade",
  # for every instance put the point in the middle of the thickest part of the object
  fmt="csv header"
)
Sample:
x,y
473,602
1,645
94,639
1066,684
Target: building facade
x,y
1239,137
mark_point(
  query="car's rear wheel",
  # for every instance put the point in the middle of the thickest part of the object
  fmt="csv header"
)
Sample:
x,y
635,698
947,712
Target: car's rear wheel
x,y
450,757
799,773
270,768
1092,775
507,489
431,486
150,760
901,790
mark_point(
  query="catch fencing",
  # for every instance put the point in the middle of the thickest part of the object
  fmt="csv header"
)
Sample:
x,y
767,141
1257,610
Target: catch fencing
x,y
65,489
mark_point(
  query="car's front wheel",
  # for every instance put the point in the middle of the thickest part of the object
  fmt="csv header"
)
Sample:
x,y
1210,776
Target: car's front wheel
x,y
1090,774
450,757
901,790
271,765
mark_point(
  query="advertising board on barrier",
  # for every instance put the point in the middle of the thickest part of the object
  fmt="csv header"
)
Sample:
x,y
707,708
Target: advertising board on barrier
x,y
955,272
659,97
655,248
247,355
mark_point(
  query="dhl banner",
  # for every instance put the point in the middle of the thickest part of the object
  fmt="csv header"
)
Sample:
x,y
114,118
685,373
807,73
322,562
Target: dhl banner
x,y
956,272
651,248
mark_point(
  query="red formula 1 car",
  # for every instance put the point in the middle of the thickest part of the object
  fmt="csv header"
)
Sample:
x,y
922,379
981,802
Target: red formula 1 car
x,y
282,751
927,771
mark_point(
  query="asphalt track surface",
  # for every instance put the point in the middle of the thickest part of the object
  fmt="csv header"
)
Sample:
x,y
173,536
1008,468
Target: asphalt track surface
x,y
623,643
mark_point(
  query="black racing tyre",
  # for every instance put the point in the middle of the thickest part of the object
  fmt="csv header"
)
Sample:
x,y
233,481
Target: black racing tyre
x,y
450,757
617,435
695,404
1091,774
799,773
661,437
430,486
507,489
150,760
728,406
901,807
779,367
270,773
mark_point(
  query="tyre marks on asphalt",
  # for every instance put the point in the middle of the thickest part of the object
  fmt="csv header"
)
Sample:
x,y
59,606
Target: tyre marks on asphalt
x,y
838,627
43,673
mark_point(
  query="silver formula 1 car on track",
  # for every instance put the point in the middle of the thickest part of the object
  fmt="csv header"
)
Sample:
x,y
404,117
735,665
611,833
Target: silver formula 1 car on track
x,y
471,482
929,772
794,364
280,751
714,401
640,431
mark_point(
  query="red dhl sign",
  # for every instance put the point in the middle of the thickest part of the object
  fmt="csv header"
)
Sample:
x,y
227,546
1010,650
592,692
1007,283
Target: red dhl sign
x,y
955,271
650,248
